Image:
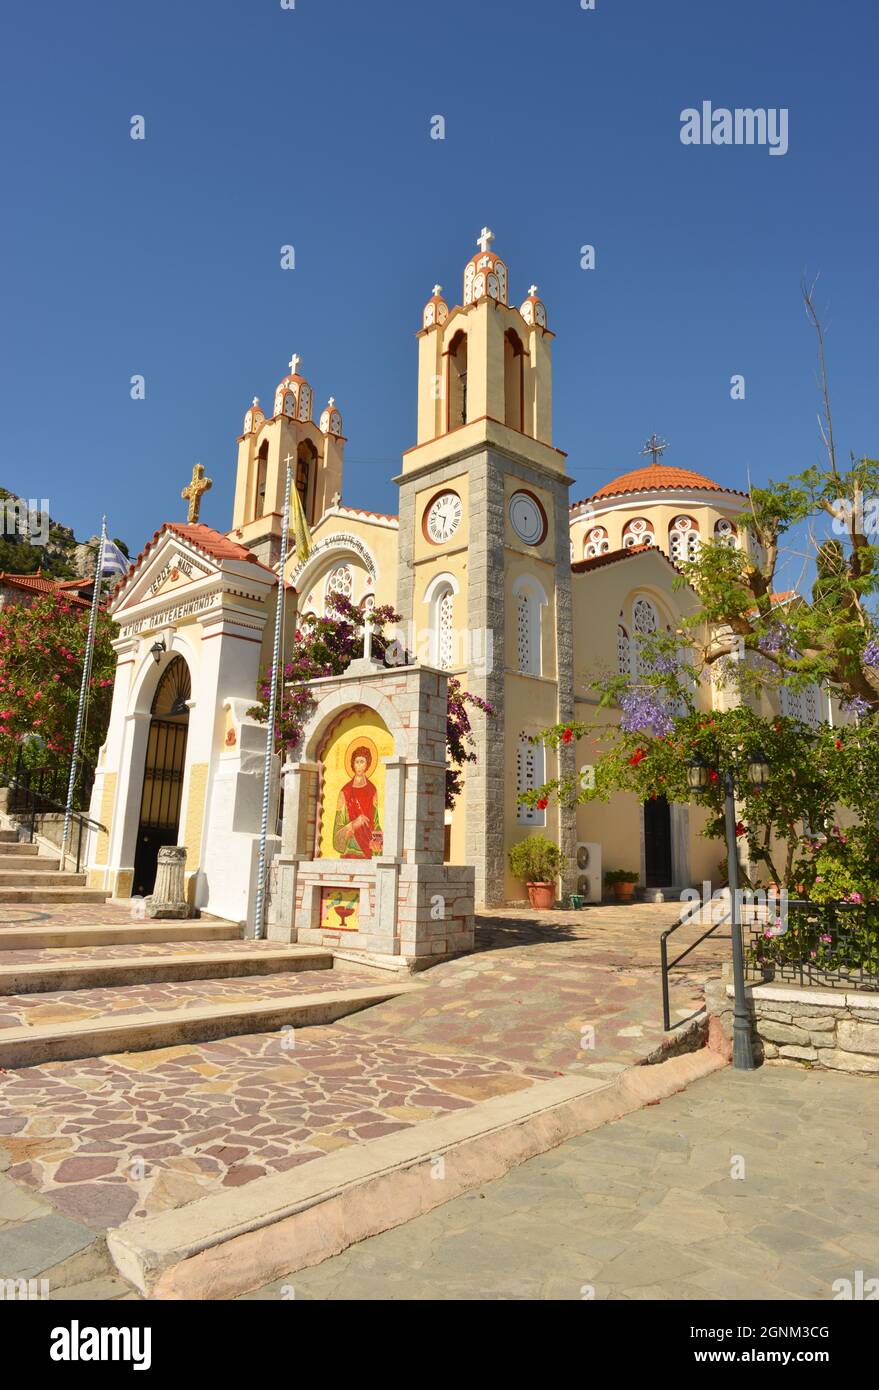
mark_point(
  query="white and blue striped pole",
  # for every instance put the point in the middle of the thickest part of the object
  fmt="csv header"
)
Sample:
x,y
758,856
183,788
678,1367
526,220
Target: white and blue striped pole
x,y
84,686
259,907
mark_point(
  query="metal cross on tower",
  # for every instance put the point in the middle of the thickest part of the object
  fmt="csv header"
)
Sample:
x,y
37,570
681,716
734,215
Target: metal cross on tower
x,y
485,238
655,447
193,493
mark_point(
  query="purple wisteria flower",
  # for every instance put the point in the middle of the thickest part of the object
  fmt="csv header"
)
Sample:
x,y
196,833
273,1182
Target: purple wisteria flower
x,y
643,710
870,654
777,638
857,705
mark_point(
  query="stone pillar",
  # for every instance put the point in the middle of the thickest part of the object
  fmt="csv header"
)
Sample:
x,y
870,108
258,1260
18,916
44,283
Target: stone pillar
x,y
395,794
300,805
168,898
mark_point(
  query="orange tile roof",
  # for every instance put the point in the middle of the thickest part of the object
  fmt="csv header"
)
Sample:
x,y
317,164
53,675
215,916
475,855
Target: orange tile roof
x,y
659,477
204,538
39,584
610,557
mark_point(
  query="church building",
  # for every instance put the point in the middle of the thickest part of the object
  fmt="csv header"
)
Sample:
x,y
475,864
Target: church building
x,y
501,580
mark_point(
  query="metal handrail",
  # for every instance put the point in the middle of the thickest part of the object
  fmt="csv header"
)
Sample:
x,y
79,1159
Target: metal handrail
x,y
666,966
33,795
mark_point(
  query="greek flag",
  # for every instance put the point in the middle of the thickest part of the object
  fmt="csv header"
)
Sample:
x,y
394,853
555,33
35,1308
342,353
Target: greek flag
x,y
115,562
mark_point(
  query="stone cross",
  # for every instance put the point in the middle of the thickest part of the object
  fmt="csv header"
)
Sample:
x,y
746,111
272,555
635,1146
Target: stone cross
x,y
655,447
336,498
485,238
293,364
331,402
254,403
532,290
437,290
193,493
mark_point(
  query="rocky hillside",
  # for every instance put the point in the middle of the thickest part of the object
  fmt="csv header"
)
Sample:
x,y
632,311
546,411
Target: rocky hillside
x,y
47,546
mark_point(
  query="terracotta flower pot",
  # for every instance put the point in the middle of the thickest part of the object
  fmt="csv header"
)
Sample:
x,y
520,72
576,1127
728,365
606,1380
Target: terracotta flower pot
x,y
541,896
624,892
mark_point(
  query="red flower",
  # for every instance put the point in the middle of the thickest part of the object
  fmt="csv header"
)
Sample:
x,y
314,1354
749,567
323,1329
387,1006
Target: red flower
x,y
567,735
713,775
839,743
740,828
542,804
637,757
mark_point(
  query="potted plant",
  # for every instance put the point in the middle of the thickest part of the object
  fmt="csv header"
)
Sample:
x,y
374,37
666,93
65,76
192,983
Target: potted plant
x,y
622,881
538,862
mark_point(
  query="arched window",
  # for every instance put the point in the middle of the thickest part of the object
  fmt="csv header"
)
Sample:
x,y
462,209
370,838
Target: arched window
x,y
683,539
340,581
530,601
514,381
725,533
638,531
440,598
530,774
456,393
262,469
306,457
624,651
595,543
645,624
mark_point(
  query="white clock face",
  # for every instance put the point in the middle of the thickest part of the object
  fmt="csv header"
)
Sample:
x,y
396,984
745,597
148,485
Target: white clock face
x,y
444,517
526,518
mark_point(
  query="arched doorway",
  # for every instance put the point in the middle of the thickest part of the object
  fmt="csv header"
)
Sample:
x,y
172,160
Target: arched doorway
x,y
162,773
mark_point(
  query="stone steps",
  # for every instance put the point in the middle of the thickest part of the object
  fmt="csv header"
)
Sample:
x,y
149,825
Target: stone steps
x,y
88,970
28,937
40,878
18,850
8,837
50,896
253,1007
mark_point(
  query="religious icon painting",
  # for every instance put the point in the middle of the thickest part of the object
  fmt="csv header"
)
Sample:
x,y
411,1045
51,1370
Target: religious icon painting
x,y
339,909
352,824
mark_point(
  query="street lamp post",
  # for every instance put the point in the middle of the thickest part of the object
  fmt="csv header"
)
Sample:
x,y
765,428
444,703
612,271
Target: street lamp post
x,y
698,774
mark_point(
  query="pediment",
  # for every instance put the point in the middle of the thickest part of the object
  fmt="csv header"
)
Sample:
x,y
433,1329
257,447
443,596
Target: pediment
x,y
172,567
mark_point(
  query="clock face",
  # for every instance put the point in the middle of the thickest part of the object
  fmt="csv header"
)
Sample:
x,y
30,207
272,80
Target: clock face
x,y
527,518
443,517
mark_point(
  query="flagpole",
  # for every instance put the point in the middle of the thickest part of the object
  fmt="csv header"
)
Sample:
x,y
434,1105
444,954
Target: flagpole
x,y
259,907
84,686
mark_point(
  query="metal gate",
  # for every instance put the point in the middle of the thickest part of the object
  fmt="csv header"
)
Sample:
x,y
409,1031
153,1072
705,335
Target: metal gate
x,y
160,798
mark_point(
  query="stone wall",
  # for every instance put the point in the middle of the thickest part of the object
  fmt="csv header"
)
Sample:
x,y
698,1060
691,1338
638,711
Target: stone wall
x,y
833,1028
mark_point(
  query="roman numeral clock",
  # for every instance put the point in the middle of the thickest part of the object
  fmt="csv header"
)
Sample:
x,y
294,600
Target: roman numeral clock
x,y
443,517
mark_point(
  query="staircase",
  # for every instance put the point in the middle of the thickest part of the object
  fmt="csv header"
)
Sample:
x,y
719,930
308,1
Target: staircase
x,y
29,876
71,989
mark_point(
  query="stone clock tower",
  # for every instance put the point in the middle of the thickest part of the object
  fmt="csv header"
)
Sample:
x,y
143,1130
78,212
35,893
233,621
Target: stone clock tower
x,y
484,578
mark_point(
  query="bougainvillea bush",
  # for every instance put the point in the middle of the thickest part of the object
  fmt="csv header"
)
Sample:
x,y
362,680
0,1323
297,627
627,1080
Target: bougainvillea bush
x,y
42,648
326,647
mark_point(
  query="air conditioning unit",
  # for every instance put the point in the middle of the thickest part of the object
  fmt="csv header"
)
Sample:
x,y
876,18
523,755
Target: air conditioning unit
x,y
589,871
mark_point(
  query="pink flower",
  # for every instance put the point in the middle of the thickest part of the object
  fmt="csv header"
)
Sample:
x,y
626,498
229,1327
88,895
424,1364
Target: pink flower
x,y
825,938
855,897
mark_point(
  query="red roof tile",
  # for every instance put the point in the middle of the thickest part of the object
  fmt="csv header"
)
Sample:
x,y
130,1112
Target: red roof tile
x,y
659,477
204,538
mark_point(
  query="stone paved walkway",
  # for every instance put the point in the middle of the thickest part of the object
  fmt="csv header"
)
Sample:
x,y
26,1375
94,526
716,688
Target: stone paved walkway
x,y
648,1207
126,1135
116,1001
103,955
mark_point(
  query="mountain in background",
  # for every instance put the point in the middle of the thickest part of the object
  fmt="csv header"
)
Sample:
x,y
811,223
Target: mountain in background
x,y
62,556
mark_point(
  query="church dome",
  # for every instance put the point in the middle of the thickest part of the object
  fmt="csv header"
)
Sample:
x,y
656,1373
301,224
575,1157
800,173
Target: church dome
x,y
254,417
294,396
331,418
658,477
485,274
532,309
436,310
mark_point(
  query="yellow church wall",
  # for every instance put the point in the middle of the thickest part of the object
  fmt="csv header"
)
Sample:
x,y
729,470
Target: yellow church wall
x,y
379,538
198,782
108,800
615,513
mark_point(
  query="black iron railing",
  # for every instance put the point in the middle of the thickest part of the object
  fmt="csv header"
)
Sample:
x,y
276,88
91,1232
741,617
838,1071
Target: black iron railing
x,y
36,791
823,944
719,916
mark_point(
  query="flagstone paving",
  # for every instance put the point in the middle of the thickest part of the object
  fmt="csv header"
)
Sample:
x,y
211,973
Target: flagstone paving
x,y
101,955
74,915
116,1001
130,1134
115,1136
756,1185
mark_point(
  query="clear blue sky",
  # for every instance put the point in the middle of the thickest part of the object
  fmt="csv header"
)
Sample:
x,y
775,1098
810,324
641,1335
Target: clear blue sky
x,y
310,126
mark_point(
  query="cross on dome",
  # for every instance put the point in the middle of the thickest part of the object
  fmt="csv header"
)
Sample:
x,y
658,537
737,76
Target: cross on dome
x,y
532,290
437,289
485,238
332,401
255,402
293,364
655,447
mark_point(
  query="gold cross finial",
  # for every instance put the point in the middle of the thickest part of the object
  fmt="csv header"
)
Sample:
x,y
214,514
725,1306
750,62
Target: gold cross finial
x,y
193,493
